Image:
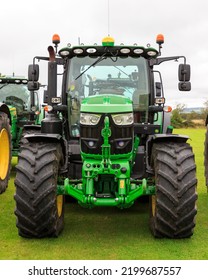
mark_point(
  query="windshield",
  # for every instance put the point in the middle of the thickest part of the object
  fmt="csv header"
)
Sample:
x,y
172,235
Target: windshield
x,y
15,95
90,76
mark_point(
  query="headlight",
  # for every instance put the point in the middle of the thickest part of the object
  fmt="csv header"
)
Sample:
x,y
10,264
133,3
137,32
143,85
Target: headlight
x,y
89,119
123,119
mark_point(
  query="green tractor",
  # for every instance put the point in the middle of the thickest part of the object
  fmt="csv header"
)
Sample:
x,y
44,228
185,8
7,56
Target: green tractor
x,y
106,141
23,105
19,115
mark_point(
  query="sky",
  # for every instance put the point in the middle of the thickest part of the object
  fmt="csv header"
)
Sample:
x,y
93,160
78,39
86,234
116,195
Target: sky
x,y
27,28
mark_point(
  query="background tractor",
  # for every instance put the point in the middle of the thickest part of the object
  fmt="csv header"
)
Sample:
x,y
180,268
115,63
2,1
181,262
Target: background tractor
x,y
19,114
23,105
106,141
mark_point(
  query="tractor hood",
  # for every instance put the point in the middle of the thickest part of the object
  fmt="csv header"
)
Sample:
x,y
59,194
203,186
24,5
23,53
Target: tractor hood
x,y
106,104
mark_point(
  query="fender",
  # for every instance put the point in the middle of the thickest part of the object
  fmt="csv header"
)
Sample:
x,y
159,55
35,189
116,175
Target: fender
x,y
168,137
5,109
46,137
165,137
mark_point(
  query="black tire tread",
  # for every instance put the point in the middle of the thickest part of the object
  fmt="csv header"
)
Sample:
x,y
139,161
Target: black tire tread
x,y
175,179
36,180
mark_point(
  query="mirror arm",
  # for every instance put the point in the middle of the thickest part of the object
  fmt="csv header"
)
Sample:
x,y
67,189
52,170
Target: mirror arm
x,y
157,61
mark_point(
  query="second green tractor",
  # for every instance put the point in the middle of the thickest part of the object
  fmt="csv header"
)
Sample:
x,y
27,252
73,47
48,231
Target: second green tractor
x,y
19,115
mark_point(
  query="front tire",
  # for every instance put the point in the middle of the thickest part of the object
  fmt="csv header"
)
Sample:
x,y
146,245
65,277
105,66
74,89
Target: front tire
x,y
5,151
173,207
39,211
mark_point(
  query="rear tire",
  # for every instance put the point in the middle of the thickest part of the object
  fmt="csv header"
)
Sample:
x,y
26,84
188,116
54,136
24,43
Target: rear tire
x,y
173,207
5,151
39,211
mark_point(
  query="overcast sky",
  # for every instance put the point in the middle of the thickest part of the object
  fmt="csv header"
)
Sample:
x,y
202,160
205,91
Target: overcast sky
x,y
27,28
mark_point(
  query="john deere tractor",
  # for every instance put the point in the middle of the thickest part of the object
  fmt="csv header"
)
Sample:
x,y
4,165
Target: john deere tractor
x,y
19,114
23,105
106,141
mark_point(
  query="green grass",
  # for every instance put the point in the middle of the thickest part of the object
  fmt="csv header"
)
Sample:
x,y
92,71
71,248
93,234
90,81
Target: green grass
x,y
108,233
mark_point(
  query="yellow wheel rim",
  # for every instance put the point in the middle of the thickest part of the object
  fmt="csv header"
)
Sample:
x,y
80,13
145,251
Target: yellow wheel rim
x,y
153,200
60,201
4,153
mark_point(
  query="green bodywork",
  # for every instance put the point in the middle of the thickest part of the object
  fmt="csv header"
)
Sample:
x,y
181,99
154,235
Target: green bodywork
x,y
106,173
106,103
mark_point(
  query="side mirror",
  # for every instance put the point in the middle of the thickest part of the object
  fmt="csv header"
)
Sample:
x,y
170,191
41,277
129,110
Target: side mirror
x,y
184,86
33,86
184,72
45,96
158,88
33,72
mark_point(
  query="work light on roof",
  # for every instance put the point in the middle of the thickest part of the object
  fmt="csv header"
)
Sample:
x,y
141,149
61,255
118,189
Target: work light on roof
x,y
125,50
64,52
151,53
91,50
138,51
78,51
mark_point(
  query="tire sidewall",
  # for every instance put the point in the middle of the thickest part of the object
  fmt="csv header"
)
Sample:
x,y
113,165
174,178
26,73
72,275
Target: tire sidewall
x,y
4,124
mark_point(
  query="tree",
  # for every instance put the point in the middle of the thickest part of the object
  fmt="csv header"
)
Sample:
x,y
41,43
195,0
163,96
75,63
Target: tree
x,y
176,119
204,112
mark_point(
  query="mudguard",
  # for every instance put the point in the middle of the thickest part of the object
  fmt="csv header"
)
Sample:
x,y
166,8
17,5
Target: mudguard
x,y
165,137
46,137
168,137
5,109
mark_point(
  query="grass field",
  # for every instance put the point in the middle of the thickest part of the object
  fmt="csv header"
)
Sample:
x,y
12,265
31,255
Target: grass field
x,y
109,233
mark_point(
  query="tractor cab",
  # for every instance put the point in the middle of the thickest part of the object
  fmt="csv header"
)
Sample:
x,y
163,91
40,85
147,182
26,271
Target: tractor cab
x,y
125,73
14,93
119,78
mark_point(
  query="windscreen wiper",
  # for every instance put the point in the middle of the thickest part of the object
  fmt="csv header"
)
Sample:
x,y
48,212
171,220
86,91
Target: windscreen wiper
x,y
93,64
4,86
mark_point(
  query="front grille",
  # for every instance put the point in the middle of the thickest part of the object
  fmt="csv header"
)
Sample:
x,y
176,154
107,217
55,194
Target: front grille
x,y
121,138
